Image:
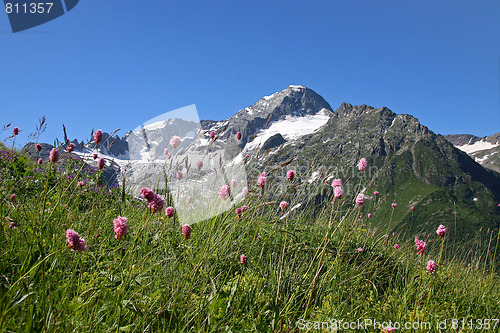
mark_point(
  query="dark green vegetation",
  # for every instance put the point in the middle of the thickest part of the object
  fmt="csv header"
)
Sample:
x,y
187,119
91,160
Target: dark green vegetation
x,y
304,266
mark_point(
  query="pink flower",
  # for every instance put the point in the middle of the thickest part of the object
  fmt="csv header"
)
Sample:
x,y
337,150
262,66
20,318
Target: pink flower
x,y
175,141
233,182
369,215
412,208
283,205
441,230
98,136
396,246
224,191
362,164
376,193
337,183
155,202
15,131
12,197
290,174
393,234
199,165
243,259
238,135
394,205
38,147
101,163
165,152
40,161
431,266
238,212
259,238
244,191
178,175
420,244
262,180
189,198
212,135
120,227
388,329
360,199
338,193
54,155
169,211
75,242
70,147
360,249
186,231
244,209
79,184
12,225
95,156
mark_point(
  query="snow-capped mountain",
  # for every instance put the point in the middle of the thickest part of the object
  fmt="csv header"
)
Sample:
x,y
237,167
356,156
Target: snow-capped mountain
x,y
485,150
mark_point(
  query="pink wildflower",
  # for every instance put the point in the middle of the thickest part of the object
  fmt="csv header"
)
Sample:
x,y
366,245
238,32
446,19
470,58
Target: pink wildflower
x,y
238,135
412,208
243,259
175,141
369,215
38,147
262,180
179,175
360,249
394,205
79,184
199,165
290,174
54,155
283,205
431,266
396,246
15,131
244,191
337,183
376,193
95,156
186,231
169,212
212,135
224,191
441,230
165,152
233,182
238,212
75,242
40,161
70,147
98,136
155,202
360,199
362,164
338,193
259,238
244,209
388,329
101,163
12,197
120,227
420,244
12,225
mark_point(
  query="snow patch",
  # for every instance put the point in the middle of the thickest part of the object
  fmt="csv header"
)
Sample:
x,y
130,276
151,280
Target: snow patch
x,y
476,146
291,128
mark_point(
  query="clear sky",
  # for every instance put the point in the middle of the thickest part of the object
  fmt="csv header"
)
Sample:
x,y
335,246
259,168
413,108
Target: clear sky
x,y
112,64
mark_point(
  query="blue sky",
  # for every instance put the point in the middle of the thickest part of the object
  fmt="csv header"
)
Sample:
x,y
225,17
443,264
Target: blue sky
x,y
117,63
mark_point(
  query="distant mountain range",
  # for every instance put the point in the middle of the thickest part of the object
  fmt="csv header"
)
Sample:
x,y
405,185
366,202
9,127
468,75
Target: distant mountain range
x,y
296,128
485,150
